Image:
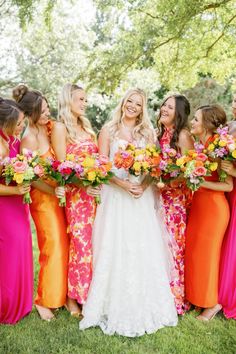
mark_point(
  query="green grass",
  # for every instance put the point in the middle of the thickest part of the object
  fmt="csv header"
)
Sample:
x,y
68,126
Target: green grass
x,y
62,335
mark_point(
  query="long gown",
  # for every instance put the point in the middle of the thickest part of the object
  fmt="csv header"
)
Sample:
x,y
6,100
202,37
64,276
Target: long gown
x,y
130,293
175,204
16,259
208,220
53,243
80,213
227,281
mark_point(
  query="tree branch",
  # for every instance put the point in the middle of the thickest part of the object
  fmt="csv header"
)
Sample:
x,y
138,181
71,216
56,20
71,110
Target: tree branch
x,y
219,37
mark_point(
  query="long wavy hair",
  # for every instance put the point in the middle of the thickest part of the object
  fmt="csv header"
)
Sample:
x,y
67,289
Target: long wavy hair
x,y
143,122
182,111
66,116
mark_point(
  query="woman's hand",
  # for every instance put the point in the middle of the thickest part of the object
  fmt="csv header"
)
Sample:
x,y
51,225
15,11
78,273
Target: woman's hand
x,y
93,191
228,167
135,190
22,189
60,192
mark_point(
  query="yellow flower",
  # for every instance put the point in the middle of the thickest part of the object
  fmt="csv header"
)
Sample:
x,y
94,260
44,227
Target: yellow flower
x,y
70,157
34,164
213,166
91,176
145,165
222,143
137,166
18,177
211,147
180,161
88,162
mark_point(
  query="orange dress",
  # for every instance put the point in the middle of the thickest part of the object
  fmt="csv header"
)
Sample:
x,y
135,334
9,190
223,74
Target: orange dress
x,y
53,243
208,220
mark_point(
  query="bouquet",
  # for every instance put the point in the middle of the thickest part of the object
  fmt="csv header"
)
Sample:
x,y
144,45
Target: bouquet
x,y
167,167
137,161
24,168
223,146
63,172
195,166
94,170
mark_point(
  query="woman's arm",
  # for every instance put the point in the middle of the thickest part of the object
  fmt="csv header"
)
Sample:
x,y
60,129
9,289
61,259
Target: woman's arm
x,y
226,186
58,140
14,190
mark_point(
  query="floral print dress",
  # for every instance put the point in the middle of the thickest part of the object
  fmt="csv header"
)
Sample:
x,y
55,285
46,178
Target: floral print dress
x,y
175,203
80,213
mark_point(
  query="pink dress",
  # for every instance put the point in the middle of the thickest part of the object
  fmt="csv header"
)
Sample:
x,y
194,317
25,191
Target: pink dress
x,y
80,213
16,260
175,203
227,280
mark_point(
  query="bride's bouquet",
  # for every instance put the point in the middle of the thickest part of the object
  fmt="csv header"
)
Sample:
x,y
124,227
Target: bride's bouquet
x,y
137,161
24,168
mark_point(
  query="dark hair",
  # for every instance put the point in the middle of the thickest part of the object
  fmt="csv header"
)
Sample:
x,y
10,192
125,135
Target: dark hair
x,y
29,101
182,111
213,116
9,115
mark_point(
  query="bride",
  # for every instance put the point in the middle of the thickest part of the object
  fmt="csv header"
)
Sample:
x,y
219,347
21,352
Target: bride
x,y
130,293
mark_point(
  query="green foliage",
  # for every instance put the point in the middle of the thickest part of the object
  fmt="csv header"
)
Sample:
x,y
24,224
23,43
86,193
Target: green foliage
x,y
177,38
26,9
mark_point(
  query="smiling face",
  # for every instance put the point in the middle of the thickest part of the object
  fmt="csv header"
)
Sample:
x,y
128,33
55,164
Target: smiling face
x,y
167,112
133,107
44,117
197,127
79,102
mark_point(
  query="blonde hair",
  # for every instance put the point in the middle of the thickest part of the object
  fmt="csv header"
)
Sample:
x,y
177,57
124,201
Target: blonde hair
x,y
65,114
143,126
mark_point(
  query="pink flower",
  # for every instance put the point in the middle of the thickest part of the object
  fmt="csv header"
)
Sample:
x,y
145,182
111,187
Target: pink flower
x,y
201,157
39,171
103,159
200,171
19,166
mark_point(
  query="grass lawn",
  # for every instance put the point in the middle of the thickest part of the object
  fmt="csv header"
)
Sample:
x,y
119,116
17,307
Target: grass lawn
x,y
62,335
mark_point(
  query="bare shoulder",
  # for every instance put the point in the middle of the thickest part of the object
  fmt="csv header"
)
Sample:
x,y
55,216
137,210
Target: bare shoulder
x,y
58,128
185,139
185,135
104,133
29,141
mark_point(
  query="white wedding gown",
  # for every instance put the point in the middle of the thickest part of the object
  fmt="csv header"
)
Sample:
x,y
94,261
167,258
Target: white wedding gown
x,y
129,293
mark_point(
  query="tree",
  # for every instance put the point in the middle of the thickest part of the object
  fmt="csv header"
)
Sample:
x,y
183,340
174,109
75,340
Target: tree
x,y
179,39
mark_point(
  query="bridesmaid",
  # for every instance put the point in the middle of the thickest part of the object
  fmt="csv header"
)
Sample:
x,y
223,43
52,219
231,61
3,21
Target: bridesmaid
x,y
176,197
16,260
73,134
227,281
48,217
208,220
